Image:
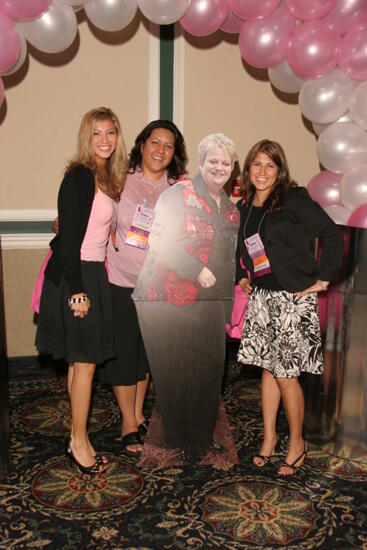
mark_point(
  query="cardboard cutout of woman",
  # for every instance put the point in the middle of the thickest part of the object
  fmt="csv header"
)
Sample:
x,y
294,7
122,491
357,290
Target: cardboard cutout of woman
x,y
184,297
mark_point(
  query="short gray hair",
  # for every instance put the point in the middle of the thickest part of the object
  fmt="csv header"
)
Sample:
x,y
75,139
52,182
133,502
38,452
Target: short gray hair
x,y
216,140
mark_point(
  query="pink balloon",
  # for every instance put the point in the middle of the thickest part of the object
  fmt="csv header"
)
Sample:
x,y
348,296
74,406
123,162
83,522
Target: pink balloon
x,y
9,43
253,9
24,9
232,23
353,53
2,96
358,217
314,50
309,9
264,43
203,17
324,188
346,14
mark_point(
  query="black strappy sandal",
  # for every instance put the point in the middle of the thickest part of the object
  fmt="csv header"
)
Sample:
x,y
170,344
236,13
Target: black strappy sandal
x,y
132,438
143,428
293,466
265,458
93,470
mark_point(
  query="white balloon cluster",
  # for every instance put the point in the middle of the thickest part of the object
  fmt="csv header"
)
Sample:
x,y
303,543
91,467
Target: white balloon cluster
x,y
317,48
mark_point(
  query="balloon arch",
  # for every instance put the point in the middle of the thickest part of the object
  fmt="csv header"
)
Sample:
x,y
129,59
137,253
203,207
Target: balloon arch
x,y
317,48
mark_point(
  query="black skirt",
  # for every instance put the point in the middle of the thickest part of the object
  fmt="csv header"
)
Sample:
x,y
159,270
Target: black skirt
x,y
130,364
60,333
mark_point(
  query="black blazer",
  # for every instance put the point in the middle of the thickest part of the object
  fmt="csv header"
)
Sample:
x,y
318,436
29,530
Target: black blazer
x,y
287,242
74,205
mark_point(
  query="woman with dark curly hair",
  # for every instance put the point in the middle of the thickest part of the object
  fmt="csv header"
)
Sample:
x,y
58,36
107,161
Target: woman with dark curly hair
x,y
281,331
157,160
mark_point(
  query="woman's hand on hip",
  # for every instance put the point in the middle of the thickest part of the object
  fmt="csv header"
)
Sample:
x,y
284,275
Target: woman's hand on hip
x,y
245,285
319,286
206,278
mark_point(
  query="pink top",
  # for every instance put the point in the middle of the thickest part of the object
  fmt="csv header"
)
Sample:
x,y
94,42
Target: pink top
x,y
124,266
95,240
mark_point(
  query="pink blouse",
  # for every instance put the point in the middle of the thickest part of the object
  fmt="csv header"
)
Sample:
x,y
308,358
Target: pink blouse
x,y
124,265
95,240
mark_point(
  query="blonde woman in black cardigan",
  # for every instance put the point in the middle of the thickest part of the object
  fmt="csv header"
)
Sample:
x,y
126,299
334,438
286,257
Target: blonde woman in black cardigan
x,y
281,331
75,319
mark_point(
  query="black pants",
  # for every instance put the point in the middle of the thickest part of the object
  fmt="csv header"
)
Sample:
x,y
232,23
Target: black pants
x,y
186,353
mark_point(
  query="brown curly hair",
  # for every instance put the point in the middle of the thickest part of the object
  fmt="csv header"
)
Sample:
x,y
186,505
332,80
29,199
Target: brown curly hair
x,y
284,182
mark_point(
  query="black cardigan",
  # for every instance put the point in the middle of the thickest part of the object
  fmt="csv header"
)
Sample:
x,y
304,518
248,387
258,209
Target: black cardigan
x,y
287,242
74,205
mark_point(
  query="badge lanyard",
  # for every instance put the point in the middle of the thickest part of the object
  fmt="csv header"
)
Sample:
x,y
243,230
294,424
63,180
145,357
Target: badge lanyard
x,y
256,249
139,229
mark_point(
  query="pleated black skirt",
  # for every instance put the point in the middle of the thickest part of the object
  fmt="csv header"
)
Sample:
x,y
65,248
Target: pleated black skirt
x,y
87,340
130,364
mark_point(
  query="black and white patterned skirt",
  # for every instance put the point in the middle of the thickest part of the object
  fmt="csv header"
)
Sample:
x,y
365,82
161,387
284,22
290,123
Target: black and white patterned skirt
x,y
281,333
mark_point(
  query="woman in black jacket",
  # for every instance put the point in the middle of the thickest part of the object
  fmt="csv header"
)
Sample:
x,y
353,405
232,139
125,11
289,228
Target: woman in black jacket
x,y
281,331
75,317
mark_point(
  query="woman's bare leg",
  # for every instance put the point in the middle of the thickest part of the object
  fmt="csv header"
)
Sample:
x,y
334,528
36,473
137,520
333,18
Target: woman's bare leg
x,y
270,399
141,390
294,406
126,399
69,384
80,390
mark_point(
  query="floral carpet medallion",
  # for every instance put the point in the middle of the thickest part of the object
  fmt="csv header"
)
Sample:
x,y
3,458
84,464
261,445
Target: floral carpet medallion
x,y
332,464
46,416
62,487
48,411
260,513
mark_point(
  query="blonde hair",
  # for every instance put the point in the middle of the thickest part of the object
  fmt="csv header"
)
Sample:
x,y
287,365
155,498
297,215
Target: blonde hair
x,y
111,177
216,140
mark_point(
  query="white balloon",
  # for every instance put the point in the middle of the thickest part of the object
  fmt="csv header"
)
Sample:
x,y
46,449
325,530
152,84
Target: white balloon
x,y
163,12
54,31
283,78
318,128
111,15
358,105
341,147
326,99
353,187
339,214
22,52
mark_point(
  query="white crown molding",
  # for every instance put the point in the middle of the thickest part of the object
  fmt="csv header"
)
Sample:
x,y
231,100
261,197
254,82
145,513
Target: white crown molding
x,y
25,241
27,215
154,72
179,77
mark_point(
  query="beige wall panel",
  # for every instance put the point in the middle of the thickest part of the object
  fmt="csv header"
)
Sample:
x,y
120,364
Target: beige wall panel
x,y
44,108
20,270
221,94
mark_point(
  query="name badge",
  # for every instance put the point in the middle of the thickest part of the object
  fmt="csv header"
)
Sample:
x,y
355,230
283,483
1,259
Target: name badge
x,y
139,230
256,251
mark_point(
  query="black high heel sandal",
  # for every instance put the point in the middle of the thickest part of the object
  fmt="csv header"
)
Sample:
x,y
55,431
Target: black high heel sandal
x,y
143,428
265,458
294,469
98,457
89,470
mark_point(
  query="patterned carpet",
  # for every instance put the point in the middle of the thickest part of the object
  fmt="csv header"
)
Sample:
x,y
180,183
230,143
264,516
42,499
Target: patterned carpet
x,y
45,504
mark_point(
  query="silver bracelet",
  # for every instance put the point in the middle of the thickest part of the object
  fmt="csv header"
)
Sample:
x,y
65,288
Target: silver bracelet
x,y
78,300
